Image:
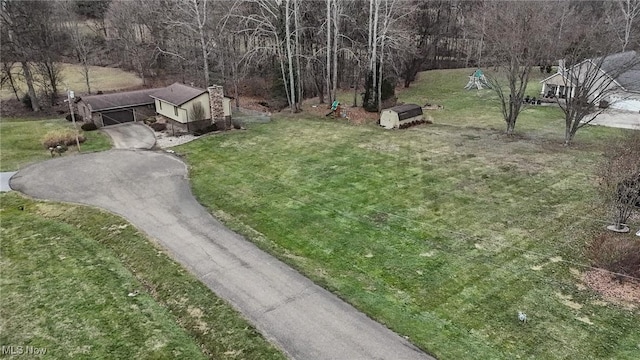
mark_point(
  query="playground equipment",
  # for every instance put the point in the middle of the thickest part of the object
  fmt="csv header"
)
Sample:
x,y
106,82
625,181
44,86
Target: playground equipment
x,y
478,80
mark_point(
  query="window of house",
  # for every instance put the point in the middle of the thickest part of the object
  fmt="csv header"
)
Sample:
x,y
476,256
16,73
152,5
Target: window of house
x,y
175,110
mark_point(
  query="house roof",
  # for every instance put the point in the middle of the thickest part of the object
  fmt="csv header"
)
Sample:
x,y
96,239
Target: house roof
x,y
624,68
178,94
119,100
568,80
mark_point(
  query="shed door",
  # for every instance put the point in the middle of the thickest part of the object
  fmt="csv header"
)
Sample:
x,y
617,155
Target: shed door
x,y
117,117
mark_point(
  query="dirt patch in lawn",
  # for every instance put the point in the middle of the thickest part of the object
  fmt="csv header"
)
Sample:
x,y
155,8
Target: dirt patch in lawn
x,y
626,292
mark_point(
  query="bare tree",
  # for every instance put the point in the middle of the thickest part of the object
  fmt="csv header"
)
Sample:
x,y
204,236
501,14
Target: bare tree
x,y
620,179
591,83
9,77
20,40
83,44
622,15
131,37
194,18
515,42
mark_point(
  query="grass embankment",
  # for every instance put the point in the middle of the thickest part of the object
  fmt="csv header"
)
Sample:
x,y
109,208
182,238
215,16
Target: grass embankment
x,y
72,77
66,274
21,141
441,232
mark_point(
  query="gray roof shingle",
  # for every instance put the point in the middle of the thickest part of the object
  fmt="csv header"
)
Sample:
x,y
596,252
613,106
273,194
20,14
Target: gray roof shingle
x,y
178,94
119,100
624,68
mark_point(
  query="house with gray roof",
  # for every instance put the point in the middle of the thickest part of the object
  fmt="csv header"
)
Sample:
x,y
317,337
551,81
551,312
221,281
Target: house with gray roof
x,y
613,79
183,107
189,108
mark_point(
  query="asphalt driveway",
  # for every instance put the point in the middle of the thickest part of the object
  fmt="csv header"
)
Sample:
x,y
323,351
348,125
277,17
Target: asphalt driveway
x,y
133,135
618,119
151,190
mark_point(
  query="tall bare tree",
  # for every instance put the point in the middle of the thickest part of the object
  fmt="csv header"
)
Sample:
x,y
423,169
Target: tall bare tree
x,y
131,37
590,82
83,42
515,40
622,15
21,39
619,175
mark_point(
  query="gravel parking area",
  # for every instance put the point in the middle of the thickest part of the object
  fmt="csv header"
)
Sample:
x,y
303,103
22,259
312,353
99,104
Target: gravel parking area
x,y
164,140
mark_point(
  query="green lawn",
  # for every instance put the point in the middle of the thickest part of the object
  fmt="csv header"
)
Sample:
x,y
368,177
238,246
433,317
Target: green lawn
x,y
20,141
67,271
441,232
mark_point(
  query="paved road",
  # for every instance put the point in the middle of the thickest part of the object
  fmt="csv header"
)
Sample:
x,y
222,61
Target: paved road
x,y
618,119
133,135
151,190
4,180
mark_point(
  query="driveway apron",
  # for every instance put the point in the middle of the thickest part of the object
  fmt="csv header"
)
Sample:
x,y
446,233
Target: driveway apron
x,y
151,190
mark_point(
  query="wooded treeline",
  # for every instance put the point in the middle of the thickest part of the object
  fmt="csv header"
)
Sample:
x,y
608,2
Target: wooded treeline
x,y
295,49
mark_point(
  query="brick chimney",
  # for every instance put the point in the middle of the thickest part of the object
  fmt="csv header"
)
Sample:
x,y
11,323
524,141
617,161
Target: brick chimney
x,y
216,98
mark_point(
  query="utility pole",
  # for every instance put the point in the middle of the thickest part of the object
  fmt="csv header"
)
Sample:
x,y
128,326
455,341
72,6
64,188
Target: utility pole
x,y
70,97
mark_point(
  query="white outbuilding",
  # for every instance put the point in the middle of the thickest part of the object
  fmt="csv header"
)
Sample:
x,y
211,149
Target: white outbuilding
x,y
401,116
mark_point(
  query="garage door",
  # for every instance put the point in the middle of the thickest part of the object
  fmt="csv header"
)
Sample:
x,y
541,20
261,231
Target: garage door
x,y
625,104
117,117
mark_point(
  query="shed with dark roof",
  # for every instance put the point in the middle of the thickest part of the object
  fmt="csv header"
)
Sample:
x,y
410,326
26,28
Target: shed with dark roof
x,y
398,116
117,108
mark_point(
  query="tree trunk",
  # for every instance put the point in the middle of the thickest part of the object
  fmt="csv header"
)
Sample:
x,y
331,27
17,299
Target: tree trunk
x,y
86,69
356,70
234,75
282,70
336,28
205,57
287,26
31,90
328,64
381,74
203,42
297,36
511,124
374,46
7,70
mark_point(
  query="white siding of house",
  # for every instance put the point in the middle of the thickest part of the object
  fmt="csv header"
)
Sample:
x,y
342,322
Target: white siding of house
x,y
601,84
203,100
184,111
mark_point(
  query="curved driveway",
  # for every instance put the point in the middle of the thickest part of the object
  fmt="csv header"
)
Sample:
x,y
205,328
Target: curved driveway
x,y
151,190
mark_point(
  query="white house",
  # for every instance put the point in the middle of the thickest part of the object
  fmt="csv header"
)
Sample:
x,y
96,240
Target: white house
x,y
614,79
190,108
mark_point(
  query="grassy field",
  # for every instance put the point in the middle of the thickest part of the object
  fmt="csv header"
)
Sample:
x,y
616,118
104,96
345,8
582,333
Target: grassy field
x,y
72,77
441,232
20,141
66,274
